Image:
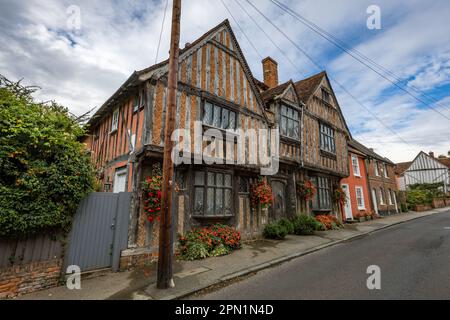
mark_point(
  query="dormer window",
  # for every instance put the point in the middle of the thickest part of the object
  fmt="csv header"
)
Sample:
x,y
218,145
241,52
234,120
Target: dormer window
x,y
289,122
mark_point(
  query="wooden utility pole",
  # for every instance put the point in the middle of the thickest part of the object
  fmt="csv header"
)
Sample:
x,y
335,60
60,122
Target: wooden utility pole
x,y
165,273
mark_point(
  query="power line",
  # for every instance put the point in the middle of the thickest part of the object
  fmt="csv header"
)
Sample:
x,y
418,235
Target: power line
x,y
268,37
161,33
296,16
340,43
321,68
296,67
242,30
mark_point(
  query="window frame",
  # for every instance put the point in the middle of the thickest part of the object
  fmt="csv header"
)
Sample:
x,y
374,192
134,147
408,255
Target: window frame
x,y
385,170
363,203
390,198
376,168
358,173
205,186
322,198
382,202
286,117
214,107
327,138
115,121
326,93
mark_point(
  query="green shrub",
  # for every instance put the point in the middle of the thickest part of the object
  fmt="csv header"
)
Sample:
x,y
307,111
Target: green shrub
x,y
404,207
220,250
275,231
44,170
286,223
304,225
195,251
320,226
419,196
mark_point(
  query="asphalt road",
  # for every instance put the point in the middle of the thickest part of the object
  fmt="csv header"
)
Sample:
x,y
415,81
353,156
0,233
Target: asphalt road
x,y
414,259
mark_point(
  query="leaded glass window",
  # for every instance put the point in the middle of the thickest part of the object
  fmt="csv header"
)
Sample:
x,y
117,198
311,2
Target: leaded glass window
x,y
213,194
219,117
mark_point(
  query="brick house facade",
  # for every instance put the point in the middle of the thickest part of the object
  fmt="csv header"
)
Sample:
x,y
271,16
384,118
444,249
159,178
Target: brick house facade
x,y
381,181
356,186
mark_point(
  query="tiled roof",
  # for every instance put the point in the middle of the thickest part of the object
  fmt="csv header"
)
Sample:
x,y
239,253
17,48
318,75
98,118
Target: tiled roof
x,y
307,87
444,161
369,152
400,168
261,85
273,92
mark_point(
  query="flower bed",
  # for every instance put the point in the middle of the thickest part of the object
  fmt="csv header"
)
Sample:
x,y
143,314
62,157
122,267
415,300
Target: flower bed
x,y
216,240
329,222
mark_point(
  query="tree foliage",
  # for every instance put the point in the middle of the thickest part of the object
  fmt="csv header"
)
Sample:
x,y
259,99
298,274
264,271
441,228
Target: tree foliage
x,y
44,169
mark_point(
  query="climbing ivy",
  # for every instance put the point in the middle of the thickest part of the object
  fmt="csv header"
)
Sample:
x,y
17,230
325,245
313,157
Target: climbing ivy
x,y
44,169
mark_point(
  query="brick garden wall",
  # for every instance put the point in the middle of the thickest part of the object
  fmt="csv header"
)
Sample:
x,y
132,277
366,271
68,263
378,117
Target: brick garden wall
x,y
30,277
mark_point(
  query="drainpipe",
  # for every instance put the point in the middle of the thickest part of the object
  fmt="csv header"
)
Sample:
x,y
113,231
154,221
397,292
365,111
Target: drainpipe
x,y
369,186
302,152
301,135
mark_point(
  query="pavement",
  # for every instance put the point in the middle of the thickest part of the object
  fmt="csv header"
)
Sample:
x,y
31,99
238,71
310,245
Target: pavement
x,y
194,276
413,260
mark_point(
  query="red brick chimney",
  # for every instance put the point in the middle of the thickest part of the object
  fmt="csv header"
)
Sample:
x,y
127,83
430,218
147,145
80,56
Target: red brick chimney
x,y
270,69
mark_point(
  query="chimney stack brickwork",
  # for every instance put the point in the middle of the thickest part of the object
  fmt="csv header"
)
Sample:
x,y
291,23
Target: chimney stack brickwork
x,y
270,70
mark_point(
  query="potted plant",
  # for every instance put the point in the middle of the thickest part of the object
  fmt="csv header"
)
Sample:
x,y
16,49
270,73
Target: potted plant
x,y
261,194
152,194
306,189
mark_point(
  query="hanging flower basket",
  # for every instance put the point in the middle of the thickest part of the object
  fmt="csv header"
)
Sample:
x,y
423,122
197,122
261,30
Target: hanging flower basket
x,y
340,197
152,194
306,189
261,193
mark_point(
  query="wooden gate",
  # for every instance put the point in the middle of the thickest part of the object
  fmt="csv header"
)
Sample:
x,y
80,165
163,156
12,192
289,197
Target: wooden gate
x,y
99,232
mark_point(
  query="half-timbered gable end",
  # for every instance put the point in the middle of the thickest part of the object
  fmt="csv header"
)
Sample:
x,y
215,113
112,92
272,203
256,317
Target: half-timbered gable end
x,y
325,131
216,88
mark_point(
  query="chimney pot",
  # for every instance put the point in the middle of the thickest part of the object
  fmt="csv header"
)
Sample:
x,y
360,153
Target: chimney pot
x,y
270,70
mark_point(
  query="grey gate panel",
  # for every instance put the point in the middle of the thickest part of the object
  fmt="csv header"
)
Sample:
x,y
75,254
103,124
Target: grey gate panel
x,y
99,232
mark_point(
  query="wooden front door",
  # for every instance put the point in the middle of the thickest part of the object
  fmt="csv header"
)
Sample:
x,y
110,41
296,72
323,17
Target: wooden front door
x,y
279,194
348,204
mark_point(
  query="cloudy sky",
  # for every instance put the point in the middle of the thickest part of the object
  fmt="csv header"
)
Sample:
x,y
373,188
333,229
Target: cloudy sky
x,y
81,62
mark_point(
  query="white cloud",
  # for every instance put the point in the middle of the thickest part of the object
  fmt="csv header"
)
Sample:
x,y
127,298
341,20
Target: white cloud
x,y
82,69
